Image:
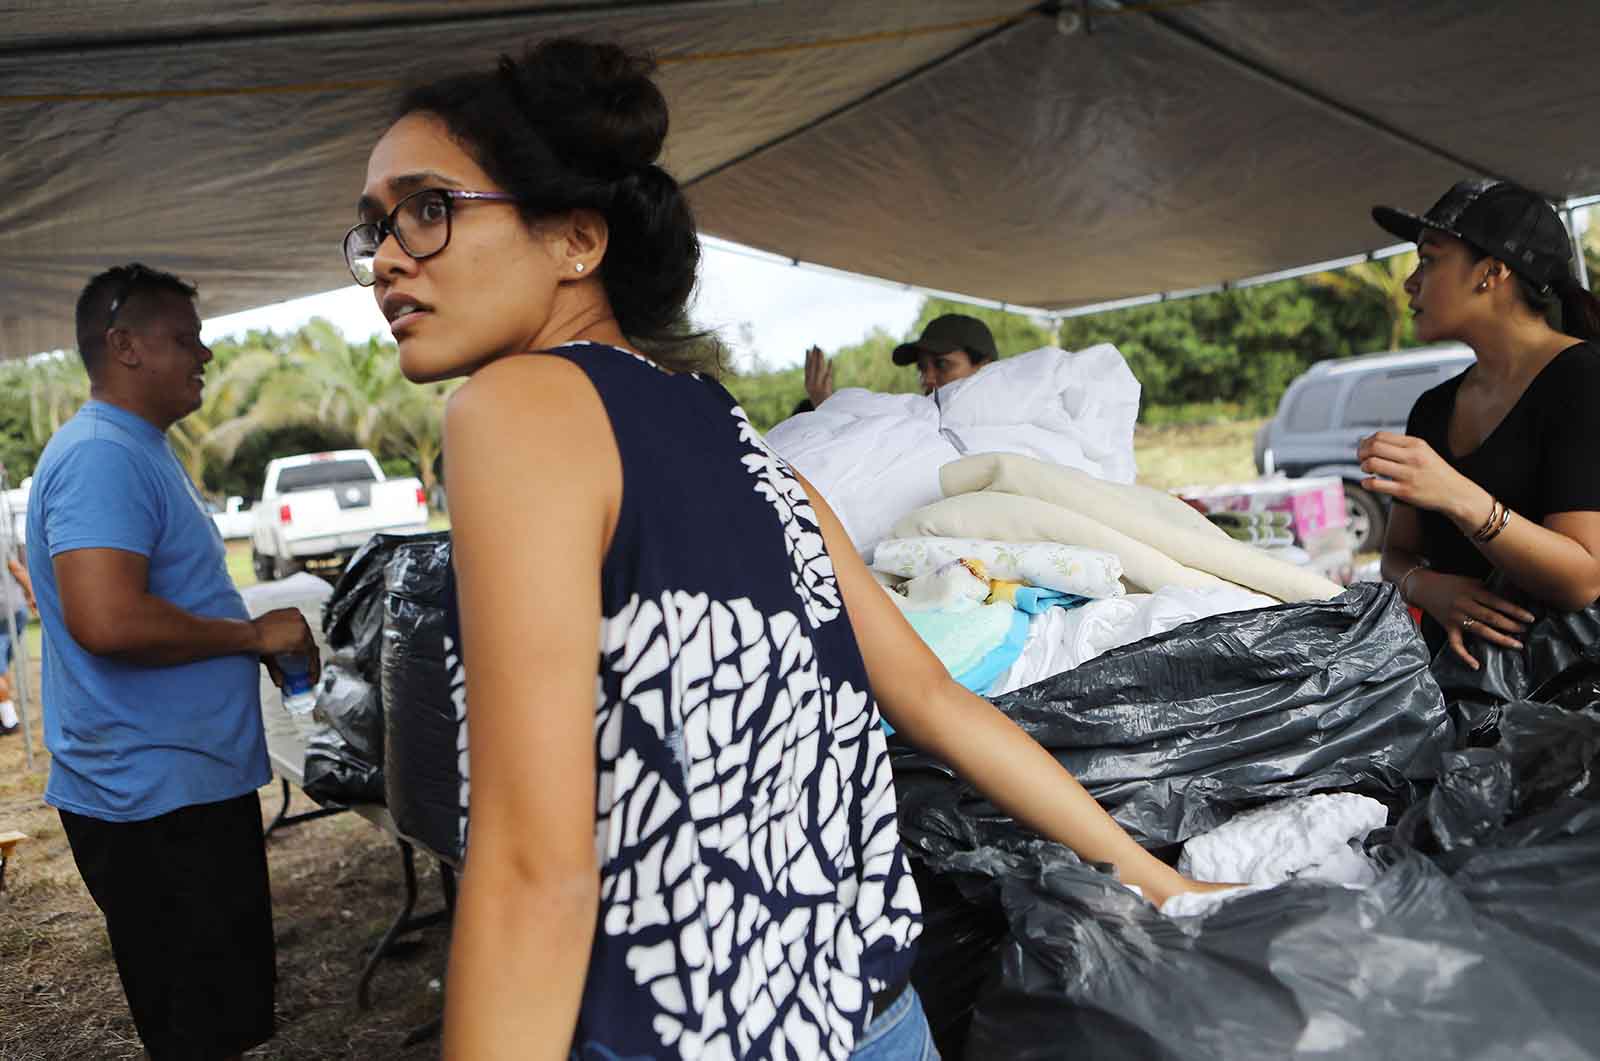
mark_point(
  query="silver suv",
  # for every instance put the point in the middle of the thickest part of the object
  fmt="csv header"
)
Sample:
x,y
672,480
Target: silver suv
x,y
1326,413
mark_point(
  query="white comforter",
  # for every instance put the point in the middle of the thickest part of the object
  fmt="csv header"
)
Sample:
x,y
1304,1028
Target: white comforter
x,y
876,457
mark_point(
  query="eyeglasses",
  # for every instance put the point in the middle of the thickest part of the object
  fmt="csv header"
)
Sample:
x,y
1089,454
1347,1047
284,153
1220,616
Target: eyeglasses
x,y
420,223
131,275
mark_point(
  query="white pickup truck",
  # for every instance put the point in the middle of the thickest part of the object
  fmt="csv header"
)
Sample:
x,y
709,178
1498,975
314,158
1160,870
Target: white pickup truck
x,y
318,508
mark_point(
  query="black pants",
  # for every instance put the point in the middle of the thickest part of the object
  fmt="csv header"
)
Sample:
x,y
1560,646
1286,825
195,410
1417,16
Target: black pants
x,y
188,908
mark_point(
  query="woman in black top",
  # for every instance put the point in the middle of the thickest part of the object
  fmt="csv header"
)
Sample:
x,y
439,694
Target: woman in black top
x,y
1499,469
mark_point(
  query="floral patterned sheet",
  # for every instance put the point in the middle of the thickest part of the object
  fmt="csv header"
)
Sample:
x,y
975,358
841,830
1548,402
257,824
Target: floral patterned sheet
x,y
1048,565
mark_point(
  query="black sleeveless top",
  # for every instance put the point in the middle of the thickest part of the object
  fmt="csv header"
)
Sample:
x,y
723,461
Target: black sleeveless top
x,y
754,894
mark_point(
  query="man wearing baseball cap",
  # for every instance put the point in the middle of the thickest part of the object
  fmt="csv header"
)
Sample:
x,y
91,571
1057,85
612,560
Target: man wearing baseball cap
x,y
951,347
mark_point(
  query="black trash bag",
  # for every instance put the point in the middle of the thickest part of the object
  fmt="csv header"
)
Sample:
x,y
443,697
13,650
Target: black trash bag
x,y
960,935
351,706
424,702
1174,735
1547,760
334,775
1409,967
353,615
1558,663
1474,796
1482,951
1177,733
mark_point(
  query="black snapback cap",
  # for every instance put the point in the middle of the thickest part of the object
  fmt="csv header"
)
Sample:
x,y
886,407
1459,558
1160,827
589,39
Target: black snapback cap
x,y
1501,219
953,331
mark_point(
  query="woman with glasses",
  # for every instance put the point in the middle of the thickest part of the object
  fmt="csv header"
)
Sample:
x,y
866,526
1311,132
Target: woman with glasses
x,y
1496,471
682,825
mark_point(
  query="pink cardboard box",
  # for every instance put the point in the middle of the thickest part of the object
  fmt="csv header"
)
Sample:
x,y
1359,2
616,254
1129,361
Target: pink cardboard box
x,y
1314,505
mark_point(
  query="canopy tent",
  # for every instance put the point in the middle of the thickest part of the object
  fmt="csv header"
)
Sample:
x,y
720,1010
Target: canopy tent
x,y
1052,155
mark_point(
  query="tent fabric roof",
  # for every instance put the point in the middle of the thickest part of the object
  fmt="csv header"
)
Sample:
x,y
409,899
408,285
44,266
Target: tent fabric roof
x,y
962,145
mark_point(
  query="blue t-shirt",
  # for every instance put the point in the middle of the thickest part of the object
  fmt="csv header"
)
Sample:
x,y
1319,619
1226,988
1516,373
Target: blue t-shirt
x,y
130,742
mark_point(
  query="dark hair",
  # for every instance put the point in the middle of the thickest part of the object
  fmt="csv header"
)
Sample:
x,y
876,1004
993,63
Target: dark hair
x,y
580,124
1566,303
112,290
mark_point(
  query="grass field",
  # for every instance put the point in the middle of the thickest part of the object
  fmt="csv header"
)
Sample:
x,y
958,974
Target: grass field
x,y
1196,454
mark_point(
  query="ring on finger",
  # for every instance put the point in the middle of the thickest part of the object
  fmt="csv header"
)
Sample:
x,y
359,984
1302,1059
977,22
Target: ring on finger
x,y
1468,623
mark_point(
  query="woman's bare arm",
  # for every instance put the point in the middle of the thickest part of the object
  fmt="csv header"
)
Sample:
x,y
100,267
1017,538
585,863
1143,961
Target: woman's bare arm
x,y
535,482
938,715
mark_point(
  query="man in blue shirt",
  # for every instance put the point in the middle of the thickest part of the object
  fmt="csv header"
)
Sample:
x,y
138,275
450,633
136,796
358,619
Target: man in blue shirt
x,y
150,681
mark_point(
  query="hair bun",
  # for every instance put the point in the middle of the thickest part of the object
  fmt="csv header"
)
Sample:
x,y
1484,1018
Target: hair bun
x,y
578,125
596,104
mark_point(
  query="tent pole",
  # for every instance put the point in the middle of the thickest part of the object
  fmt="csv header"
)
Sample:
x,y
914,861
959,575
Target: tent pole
x,y
19,651
1579,265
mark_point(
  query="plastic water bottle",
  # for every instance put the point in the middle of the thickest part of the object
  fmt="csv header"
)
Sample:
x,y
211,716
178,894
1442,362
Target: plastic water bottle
x,y
298,695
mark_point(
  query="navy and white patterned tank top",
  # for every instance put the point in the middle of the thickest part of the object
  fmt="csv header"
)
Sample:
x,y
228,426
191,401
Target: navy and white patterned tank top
x,y
754,894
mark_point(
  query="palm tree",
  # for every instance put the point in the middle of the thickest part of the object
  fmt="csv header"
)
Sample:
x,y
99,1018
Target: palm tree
x,y
315,377
1384,281
57,385
213,432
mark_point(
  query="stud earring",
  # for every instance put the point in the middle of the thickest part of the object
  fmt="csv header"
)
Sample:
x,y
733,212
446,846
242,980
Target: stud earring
x,y
1483,285
579,267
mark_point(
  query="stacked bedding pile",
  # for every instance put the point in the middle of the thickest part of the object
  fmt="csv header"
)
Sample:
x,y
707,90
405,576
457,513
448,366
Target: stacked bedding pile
x,y
1265,529
1026,471
1057,528
876,457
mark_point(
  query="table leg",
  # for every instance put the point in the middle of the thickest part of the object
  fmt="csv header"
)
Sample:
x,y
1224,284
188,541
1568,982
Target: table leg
x,y
284,819
404,922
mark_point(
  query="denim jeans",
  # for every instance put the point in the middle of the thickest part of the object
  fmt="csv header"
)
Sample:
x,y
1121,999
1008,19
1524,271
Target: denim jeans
x,y
899,1033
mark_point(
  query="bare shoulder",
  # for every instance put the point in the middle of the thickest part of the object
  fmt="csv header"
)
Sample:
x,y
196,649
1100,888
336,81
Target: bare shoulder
x,y
532,404
518,386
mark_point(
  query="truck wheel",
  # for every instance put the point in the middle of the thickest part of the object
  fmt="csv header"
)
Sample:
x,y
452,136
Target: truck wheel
x,y
1366,519
283,567
262,565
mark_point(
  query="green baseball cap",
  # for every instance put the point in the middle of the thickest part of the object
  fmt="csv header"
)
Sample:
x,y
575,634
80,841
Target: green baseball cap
x,y
953,331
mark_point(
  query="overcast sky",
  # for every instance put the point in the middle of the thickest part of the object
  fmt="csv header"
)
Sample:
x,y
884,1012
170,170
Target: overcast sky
x,y
787,308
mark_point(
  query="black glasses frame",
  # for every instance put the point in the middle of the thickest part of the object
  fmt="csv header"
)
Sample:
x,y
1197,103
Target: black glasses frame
x,y
385,227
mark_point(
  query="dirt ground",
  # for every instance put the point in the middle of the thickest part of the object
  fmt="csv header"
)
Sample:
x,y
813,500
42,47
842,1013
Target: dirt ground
x,y
336,884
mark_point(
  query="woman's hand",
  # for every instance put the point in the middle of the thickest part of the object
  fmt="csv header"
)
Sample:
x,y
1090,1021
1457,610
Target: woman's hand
x,y
819,377
1408,469
1464,607
1181,884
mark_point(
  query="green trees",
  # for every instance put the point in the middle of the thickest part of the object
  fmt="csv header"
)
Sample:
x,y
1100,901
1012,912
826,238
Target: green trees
x,y
1232,352
1383,282
266,395
1242,347
315,378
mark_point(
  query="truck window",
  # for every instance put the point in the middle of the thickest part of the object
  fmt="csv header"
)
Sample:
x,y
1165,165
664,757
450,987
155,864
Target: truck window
x,y
1384,399
1312,409
324,473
